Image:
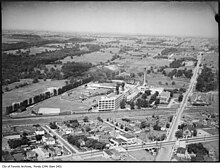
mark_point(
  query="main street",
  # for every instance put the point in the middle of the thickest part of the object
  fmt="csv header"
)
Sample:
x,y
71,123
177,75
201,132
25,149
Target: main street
x,y
165,153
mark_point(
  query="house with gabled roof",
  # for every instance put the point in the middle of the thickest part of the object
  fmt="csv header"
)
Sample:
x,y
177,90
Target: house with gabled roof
x,y
188,131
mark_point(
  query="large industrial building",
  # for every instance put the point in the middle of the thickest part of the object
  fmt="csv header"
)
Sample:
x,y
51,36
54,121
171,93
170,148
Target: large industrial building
x,y
110,103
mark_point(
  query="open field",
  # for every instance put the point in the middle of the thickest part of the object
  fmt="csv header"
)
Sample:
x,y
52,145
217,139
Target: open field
x,y
64,105
154,79
94,58
13,85
211,59
26,92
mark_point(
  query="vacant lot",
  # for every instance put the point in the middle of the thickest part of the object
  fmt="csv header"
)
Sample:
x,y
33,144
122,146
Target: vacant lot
x,y
26,92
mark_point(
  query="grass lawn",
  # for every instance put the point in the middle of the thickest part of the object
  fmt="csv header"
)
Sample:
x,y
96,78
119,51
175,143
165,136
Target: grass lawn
x,y
26,92
142,155
64,105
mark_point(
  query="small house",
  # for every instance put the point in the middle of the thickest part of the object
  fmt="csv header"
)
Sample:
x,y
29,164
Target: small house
x,y
58,151
45,152
31,155
188,131
49,140
164,97
130,139
39,131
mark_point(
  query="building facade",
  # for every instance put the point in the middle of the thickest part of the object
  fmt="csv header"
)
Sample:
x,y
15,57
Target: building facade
x,y
110,103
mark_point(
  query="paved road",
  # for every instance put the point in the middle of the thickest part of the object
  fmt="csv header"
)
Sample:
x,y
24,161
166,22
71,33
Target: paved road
x,y
162,144
164,153
70,147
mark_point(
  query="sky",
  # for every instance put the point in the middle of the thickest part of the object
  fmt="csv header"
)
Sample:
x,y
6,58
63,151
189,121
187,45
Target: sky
x,y
149,18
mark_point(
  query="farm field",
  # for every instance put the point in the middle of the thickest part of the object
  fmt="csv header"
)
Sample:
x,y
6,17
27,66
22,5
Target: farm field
x,y
26,92
94,58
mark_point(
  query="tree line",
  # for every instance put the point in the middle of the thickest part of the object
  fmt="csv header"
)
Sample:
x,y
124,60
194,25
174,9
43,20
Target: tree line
x,y
207,80
16,67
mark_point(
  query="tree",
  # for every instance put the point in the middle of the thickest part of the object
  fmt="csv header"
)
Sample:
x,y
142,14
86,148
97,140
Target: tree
x,y
122,127
126,128
148,92
35,80
132,105
38,137
144,125
163,137
160,83
180,98
144,96
170,118
138,103
99,119
86,119
53,125
157,101
179,134
173,83
122,104
88,129
7,89
168,125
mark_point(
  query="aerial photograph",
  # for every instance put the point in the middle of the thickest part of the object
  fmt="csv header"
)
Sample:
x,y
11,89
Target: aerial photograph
x,y
110,81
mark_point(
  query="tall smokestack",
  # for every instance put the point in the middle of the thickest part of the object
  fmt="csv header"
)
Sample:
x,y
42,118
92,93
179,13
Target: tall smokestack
x,y
145,75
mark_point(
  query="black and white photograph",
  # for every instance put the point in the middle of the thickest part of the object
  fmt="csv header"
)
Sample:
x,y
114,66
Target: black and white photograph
x,y
110,81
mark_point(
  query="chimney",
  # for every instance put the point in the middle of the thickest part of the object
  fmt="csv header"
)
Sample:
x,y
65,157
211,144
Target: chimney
x,y
145,74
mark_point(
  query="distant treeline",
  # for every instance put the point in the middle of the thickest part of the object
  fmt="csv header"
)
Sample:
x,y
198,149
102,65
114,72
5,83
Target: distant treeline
x,y
25,36
15,67
36,40
25,45
79,40
43,96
